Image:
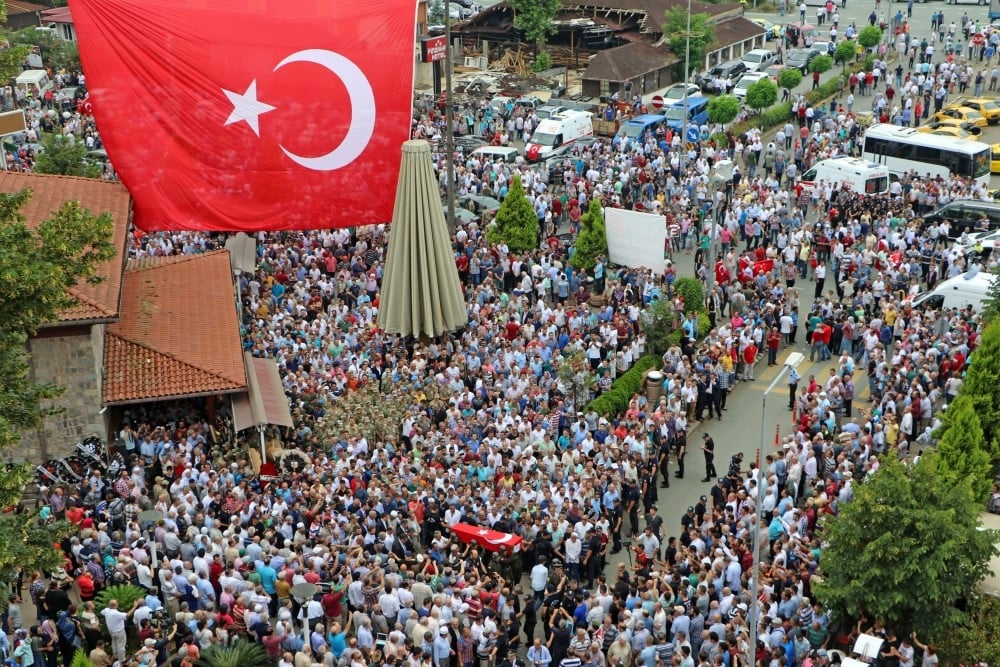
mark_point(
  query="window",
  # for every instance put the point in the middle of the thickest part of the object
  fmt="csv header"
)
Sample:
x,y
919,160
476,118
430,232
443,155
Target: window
x,y
876,185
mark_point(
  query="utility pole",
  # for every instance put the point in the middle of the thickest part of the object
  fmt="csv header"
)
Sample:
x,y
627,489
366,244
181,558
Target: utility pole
x,y
449,119
687,73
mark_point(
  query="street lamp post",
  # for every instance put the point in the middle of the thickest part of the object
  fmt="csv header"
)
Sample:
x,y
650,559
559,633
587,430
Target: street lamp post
x,y
449,119
793,360
687,73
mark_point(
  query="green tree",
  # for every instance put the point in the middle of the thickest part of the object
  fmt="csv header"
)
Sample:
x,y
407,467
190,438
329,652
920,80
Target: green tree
x,y
239,654
821,64
65,156
761,94
516,223
593,238
960,446
870,36
982,386
58,54
723,109
991,306
37,266
435,12
845,52
536,19
789,77
974,640
675,28
692,293
659,321
906,549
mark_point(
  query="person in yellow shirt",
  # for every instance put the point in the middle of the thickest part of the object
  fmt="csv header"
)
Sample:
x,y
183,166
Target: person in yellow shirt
x,y
891,432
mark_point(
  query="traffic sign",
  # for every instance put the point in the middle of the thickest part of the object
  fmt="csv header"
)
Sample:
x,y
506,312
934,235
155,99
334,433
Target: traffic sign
x,y
657,101
693,134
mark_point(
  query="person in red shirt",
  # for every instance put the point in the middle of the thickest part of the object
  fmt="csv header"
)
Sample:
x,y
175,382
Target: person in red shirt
x,y
513,329
749,358
86,584
773,344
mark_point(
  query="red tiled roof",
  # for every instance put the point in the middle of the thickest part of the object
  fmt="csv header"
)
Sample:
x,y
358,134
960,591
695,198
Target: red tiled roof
x,y
97,302
21,7
628,61
178,334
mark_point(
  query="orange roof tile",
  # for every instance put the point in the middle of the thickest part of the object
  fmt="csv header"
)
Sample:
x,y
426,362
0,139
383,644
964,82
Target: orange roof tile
x,y
178,334
94,302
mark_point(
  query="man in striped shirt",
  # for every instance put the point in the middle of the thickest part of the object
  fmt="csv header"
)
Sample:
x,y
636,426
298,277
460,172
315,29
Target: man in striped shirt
x,y
571,659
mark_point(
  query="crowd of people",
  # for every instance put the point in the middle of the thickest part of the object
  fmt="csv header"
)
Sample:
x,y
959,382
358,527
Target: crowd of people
x,y
486,429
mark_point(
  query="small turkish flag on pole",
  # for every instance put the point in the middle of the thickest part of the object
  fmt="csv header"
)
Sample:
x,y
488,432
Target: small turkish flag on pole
x,y
246,115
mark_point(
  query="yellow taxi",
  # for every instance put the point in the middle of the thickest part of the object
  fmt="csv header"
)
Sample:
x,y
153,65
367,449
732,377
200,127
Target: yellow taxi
x,y
947,131
995,160
989,108
771,30
936,123
962,113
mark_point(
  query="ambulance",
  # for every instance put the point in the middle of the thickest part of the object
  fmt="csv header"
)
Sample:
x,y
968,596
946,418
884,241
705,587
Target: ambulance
x,y
555,135
861,176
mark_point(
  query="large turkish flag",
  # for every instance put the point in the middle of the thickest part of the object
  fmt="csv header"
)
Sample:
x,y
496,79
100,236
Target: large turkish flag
x,y
491,540
244,115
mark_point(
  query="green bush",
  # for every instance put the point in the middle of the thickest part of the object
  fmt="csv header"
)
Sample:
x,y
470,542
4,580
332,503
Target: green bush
x,y
80,659
239,654
543,61
789,77
823,91
776,115
691,291
516,223
126,594
615,400
720,140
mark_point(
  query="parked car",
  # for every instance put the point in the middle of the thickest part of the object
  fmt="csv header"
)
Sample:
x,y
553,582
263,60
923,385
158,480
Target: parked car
x,y
800,59
963,114
758,60
748,79
675,93
771,30
989,108
731,69
774,71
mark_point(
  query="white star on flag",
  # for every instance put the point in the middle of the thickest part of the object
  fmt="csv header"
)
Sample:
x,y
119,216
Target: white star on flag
x,y
247,107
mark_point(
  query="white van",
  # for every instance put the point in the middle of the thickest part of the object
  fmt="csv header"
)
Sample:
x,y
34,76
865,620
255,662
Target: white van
x,y
968,289
35,81
555,135
507,154
859,175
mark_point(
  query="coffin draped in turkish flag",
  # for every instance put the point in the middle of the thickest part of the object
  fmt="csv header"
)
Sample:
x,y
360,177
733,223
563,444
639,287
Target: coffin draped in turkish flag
x,y
244,115
491,540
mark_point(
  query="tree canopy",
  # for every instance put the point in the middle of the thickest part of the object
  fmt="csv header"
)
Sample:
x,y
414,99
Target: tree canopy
x,y
845,51
762,94
593,238
821,64
64,156
675,28
906,549
535,18
991,306
789,77
961,446
870,36
982,386
723,109
516,223
37,267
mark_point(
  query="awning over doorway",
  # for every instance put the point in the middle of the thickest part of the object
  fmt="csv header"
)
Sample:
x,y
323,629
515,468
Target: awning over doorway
x,y
265,401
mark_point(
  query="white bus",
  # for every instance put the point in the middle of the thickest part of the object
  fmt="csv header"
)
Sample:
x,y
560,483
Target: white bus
x,y
904,150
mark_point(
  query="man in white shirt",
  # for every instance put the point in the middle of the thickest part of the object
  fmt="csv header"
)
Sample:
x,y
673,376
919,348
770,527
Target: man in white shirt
x,y
115,619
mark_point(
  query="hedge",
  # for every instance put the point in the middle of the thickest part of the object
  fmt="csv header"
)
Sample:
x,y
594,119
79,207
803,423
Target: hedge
x,y
615,400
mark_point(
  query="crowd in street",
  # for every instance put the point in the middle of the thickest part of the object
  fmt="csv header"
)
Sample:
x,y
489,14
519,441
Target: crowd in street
x,y
490,431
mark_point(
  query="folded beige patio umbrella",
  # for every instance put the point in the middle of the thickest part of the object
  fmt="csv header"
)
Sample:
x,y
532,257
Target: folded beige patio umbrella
x,y
421,292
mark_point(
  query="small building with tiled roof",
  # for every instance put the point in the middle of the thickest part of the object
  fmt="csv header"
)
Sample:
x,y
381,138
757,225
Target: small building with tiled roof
x,y
22,14
60,18
177,337
623,39
70,352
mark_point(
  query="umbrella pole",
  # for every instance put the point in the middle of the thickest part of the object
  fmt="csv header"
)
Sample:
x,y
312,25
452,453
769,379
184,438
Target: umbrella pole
x,y
449,116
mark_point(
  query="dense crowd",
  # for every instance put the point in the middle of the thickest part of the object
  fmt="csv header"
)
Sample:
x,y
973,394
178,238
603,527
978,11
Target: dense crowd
x,y
491,427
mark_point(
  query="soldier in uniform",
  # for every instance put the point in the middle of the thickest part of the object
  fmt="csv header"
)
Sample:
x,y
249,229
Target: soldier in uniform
x,y
630,492
616,516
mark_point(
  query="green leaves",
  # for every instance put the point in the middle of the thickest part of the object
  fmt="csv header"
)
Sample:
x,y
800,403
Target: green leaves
x,y
870,36
991,306
675,29
789,77
821,64
846,49
962,448
535,18
65,156
906,549
516,222
239,654
723,109
982,386
126,594
592,241
762,94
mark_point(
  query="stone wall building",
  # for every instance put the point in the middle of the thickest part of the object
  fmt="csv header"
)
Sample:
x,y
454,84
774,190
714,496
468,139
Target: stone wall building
x,y
70,353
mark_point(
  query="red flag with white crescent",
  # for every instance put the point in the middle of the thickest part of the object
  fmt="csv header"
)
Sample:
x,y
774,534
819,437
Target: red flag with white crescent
x,y
491,540
246,115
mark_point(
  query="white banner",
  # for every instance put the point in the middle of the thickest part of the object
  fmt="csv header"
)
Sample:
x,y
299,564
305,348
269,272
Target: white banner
x,y
636,239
